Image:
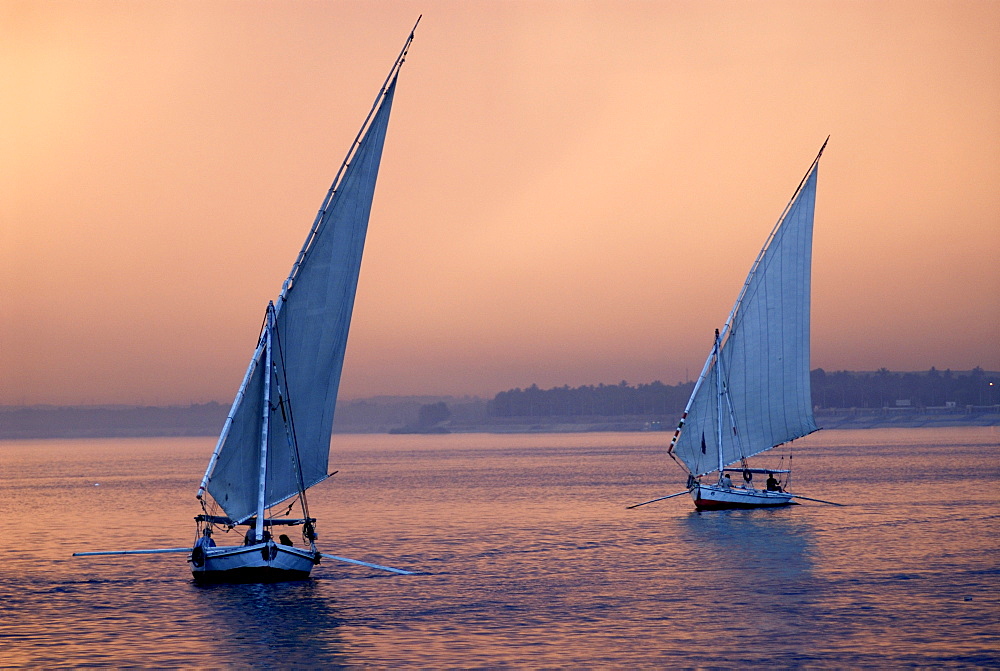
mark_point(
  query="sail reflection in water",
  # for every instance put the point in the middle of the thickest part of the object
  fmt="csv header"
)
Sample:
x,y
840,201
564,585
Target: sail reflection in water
x,y
762,566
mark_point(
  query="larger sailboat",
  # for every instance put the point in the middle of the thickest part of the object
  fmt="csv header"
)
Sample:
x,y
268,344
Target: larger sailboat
x,y
753,393
275,443
276,439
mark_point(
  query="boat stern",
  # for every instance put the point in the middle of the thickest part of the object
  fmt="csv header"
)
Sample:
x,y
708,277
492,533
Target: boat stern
x,y
716,497
261,562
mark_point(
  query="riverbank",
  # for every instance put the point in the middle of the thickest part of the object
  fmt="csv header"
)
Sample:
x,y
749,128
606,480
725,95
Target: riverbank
x,y
839,418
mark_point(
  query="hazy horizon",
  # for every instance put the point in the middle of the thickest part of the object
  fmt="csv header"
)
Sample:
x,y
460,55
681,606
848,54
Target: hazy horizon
x,y
480,397
570,192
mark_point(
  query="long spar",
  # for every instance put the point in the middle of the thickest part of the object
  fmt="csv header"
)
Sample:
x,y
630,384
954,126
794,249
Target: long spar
x,y
130,552
829,503
390,569
669,496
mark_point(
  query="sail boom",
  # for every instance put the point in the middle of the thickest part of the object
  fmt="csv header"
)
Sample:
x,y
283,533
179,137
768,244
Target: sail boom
x,y
269,521
759,471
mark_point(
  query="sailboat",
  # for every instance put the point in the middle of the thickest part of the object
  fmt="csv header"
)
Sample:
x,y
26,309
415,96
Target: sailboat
x,y
753,393
275,442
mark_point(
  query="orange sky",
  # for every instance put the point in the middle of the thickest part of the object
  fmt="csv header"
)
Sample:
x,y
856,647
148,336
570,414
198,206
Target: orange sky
x,y
571,192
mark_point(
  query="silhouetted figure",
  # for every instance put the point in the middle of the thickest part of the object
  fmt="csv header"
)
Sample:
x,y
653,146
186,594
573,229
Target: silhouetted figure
x,y
772,483
285,540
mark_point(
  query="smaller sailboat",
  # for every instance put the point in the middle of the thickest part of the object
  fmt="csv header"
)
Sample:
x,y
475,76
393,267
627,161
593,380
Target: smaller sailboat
x,y
753,393
275,443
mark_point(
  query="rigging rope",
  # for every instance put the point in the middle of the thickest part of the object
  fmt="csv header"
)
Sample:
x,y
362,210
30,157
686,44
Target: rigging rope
x,y
289,422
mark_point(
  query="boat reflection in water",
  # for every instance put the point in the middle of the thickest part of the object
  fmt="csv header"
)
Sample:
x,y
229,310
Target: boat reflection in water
x,y
760,561
289,624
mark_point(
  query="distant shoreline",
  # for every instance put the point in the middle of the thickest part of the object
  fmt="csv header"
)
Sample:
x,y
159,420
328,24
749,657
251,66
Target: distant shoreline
x,y
825,419
867,400
388,416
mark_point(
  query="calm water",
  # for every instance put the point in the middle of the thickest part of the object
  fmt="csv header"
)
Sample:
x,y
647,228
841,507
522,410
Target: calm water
x,y
529,558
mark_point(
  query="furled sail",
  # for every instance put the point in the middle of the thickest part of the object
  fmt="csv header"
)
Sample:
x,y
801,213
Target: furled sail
x,y
308,341
763,394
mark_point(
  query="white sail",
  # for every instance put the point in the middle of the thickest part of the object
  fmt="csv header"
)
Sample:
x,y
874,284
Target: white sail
x,y
763,394
308,341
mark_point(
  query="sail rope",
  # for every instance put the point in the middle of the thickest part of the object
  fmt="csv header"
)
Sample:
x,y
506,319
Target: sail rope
x,y
211,510
788,477
722,371
285,405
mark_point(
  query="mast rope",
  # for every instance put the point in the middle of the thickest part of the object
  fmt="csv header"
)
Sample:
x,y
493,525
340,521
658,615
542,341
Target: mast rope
x,y
285,401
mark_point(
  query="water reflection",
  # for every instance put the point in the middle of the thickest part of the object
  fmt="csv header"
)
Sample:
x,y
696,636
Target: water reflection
x,y
757,560
532,561
280,625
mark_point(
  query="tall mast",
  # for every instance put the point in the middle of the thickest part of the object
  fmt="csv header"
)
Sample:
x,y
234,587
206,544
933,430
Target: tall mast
x,y
718,399
285,405
265,425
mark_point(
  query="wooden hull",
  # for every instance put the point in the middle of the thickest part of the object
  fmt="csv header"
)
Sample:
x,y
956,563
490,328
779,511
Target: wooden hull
x,y
714,497
263,562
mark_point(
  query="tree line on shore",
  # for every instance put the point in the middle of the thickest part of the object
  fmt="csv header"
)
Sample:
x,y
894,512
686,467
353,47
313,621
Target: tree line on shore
x,y
653,401
841,389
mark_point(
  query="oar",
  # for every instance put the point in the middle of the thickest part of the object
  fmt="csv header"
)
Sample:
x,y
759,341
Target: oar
x,y
829,503
130,552
659,499
364,563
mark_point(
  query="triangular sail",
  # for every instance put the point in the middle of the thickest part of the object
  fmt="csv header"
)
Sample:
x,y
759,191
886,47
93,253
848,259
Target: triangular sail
x,y
313,316
763,395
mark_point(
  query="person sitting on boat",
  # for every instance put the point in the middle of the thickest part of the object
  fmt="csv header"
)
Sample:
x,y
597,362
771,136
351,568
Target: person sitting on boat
x,y
206,540
772,483
285,540
251,537
726,482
